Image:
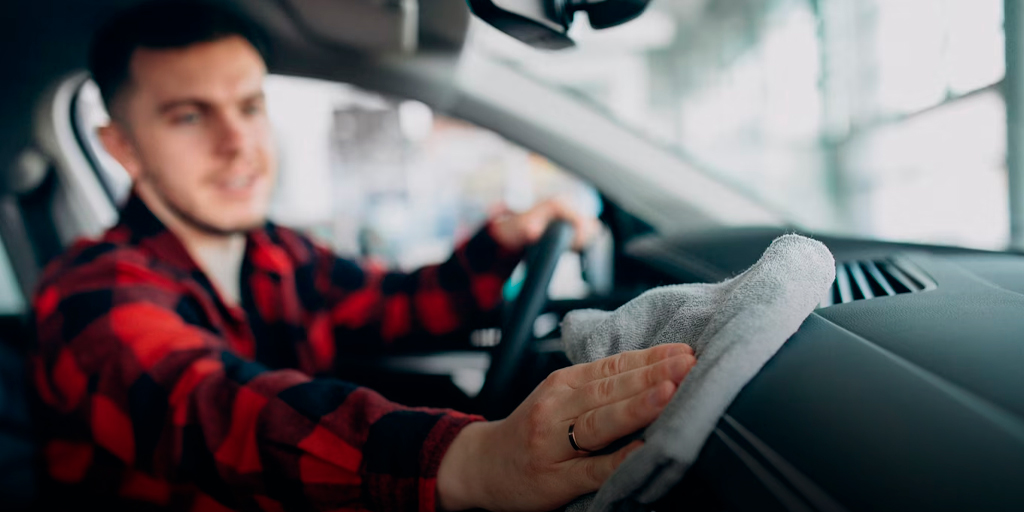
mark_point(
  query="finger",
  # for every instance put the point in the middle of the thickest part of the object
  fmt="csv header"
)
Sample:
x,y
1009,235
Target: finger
x,y
582,224
498,209
533,229
586,229
589,473
581,374
631,383
559,208
599,427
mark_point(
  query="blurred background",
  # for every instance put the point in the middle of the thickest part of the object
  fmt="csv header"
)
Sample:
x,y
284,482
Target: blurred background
x,y
876,118
881,118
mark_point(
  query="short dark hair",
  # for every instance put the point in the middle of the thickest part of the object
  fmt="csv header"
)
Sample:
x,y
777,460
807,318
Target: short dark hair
x,y
159,25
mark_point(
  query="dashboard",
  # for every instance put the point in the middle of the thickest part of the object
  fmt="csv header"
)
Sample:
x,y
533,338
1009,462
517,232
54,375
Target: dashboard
x,y
903,391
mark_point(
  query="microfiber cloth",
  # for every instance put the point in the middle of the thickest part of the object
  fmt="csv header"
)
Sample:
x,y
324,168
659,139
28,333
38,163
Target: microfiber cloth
x,y
734,327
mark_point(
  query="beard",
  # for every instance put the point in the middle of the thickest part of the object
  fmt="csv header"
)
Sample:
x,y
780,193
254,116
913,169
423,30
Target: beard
x,y
207,228
187,216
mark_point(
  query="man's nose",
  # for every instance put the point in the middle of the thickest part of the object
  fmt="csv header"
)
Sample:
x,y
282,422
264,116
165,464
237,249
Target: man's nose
x,y
234,135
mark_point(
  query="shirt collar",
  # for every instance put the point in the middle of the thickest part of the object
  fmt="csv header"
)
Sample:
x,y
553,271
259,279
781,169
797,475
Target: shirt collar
x,y
147,231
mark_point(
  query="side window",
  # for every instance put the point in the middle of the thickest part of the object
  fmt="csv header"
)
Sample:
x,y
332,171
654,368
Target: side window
x,y
12,302
392,180
382,178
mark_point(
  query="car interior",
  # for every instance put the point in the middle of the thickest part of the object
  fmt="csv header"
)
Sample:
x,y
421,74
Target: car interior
x,y
904,390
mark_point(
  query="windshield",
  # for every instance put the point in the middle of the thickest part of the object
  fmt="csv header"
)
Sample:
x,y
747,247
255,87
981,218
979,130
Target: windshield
x,y
877,118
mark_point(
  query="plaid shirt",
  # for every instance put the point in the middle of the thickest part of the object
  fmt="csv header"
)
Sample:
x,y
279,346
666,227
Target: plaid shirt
x,y
153,390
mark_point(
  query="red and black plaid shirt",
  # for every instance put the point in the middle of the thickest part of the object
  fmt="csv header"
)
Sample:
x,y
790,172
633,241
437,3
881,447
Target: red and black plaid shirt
x,y
154,391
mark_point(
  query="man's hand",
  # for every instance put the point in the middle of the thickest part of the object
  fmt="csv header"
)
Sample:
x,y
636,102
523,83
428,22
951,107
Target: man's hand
x,y
518,230
525,462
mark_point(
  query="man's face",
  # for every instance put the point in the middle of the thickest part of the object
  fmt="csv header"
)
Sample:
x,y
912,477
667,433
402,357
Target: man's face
x,y
193,133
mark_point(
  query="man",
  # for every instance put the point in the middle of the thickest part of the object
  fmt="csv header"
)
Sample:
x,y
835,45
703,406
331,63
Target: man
x,y
185,358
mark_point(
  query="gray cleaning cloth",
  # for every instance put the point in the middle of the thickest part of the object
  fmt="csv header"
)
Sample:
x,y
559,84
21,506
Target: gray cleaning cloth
x,y
734,327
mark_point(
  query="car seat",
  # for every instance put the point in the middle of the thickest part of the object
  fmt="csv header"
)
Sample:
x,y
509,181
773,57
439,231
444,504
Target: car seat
x,y
30,238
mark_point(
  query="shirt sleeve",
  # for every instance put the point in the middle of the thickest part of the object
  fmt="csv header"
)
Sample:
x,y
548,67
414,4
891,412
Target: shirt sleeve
x,y
126,381
374,310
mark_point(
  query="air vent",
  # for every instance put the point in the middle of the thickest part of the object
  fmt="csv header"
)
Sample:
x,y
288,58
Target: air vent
x,y
867,279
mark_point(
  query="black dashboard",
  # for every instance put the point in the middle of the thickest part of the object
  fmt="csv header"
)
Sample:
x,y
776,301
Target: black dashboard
x,y
889,397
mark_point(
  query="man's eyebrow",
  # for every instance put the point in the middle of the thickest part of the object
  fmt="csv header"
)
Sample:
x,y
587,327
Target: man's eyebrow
x,y
256,96
200,103
184,102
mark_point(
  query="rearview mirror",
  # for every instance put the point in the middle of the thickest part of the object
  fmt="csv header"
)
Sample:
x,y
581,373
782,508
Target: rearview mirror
x,y
545,23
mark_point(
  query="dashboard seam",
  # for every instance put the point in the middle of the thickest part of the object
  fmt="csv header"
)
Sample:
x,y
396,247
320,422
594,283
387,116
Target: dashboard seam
x,y
786,497
810,491
981,280
994,412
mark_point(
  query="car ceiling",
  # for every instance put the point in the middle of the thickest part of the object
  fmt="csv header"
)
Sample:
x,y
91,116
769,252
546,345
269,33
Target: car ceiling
x,y
48,40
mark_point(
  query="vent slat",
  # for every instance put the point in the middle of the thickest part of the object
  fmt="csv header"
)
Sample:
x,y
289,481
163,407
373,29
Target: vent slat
x,y
923,282
879,277
909,283
862,280
843,280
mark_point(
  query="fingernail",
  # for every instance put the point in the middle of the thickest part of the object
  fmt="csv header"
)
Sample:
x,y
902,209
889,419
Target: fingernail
x,y
676,351
681,350
680,369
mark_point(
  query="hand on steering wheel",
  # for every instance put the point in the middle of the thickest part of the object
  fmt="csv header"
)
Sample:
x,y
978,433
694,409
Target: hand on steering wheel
x,y
517,332
551,227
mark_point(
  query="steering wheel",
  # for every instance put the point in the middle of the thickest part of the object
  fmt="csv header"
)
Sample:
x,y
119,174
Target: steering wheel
x,y
517,332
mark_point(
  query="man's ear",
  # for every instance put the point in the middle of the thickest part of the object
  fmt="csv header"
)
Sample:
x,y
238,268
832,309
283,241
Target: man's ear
x,y
118,143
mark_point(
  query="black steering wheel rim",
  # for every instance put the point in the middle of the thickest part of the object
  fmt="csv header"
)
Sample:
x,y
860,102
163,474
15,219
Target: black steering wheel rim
x,y
517,331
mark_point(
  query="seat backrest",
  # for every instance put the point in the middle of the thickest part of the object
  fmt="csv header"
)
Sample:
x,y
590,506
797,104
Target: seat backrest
x,y
37,214
22,186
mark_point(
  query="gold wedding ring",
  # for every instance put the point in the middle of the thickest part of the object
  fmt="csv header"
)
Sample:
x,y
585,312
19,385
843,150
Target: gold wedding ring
x,y
572,439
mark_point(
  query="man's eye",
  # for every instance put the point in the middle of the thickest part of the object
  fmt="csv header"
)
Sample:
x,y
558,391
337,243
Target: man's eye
x,y
189,118
252,110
